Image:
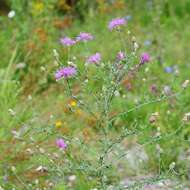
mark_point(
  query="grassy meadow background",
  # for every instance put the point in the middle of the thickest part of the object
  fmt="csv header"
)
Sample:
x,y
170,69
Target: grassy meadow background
x,y
36,110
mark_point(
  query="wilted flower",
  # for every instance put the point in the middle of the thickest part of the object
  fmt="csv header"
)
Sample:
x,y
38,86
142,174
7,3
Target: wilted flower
x,y
29,151
11,112
21,65
136,46
115,23
66,41
172,166
96,58
61,144
186,118
185,84
153,88
145,58
167,90
41,169
43,69
16,134
55,53
153,117
116,93
83,36
120,56
65,72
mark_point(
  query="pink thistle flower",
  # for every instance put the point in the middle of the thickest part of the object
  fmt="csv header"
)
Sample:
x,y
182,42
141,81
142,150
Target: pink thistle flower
x,y
66,41
115,23
65,72
145,58
61,144
120,56
83,36
96,58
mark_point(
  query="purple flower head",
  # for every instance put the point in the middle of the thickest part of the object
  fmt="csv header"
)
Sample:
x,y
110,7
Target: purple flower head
x,y
65,72
115,23
58,74
120,56
83,36
61,144
168,69
96,58
145,58
66,41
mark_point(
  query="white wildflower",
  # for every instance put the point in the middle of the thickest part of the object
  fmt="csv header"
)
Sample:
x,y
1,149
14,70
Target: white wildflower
x,y
72,178
11,14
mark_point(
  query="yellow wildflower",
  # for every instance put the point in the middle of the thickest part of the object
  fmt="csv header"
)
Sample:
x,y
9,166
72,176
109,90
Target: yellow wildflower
x,y
58,124
37,7
79,112
73,103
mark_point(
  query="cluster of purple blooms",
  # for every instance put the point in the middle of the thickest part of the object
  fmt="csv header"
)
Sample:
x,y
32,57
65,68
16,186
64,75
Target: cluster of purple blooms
x,y
68,72
83,37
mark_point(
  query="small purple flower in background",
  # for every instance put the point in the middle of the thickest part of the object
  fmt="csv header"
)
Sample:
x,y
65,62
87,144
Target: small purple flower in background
x,y
61,144
96,58
83,36
145,58
120,56
168,69
128,17
66,41
69,71
65,72
147,43
115,23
